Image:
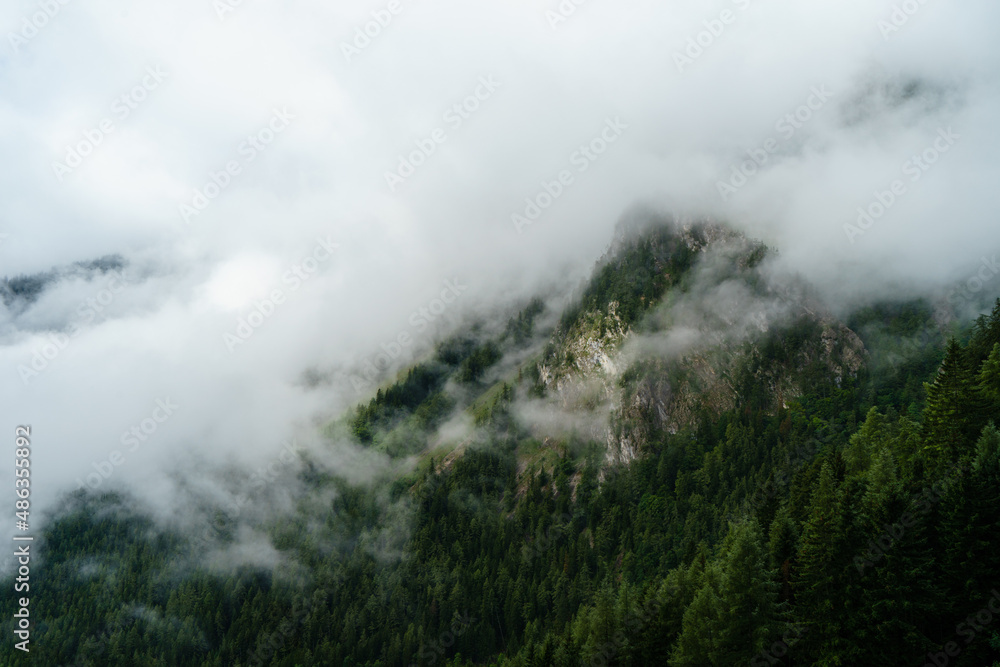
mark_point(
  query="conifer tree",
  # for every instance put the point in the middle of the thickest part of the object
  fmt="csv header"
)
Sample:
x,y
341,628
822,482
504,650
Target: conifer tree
x,y
782,547
750,611
698,643
972,519
985,335
956,408
735,613
823,561
989,381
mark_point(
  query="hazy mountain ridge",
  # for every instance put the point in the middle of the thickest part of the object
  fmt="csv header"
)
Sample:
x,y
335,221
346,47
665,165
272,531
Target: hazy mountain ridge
x,y
652,457
691,350
23,290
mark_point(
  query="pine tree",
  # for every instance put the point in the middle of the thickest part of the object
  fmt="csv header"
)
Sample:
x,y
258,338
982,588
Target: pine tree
x,y
972,507
873,435
882,498
735,613
989,380
896,595
820,588
750,612
956,408
782,547
698,642
985,335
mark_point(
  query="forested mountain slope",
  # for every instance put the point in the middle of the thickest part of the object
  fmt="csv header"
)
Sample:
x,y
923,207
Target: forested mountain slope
x,y
696,464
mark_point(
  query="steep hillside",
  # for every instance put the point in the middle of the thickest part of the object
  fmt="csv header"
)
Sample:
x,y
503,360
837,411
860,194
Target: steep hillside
x,y
694,464
679,324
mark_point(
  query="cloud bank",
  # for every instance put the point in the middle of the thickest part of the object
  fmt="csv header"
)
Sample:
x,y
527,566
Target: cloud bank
x,y
315,175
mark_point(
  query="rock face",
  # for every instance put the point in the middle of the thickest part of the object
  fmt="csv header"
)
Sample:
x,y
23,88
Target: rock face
x,y
709,329
588,353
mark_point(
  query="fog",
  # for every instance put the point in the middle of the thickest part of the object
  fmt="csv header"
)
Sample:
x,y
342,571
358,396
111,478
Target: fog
x,y
365,194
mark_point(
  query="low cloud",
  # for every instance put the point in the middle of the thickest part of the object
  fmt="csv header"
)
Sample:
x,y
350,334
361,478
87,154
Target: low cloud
x,y
192,278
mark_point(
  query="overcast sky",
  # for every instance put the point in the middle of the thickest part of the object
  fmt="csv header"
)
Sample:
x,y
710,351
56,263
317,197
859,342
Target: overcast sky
x,y
220,149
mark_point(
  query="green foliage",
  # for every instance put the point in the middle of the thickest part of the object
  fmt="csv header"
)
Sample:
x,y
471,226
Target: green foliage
x,y
521,328
835,527
906,346
956,408
985,336
420,383
735,614
635,278
478,361
989,379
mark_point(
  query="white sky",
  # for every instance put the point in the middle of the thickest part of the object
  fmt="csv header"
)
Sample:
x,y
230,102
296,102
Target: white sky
x,y
683,129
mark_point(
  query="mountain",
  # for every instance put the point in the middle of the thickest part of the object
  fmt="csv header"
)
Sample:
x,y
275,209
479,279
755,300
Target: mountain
x,y
25,289
699,462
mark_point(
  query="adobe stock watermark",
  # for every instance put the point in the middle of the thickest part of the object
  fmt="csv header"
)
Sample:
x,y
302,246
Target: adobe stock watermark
x,y
133,439
915,167
915,345
363,35
420,319
969,628
633,624
223,7
779,649
290,625
787,125
705,39
563,12
455,117
436,650
294,278
769,488
88,311
543,543
927,497
249,149
581,158
257,481
899,17
32,25
122,107
988,270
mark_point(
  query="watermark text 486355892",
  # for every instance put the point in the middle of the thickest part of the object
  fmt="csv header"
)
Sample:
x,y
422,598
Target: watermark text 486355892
x,y
22,583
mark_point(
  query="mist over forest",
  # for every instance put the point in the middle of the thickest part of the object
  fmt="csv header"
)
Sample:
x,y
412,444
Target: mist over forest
x,y
550,333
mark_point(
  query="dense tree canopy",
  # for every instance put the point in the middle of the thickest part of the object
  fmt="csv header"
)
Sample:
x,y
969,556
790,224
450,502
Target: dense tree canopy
x,y
857,524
